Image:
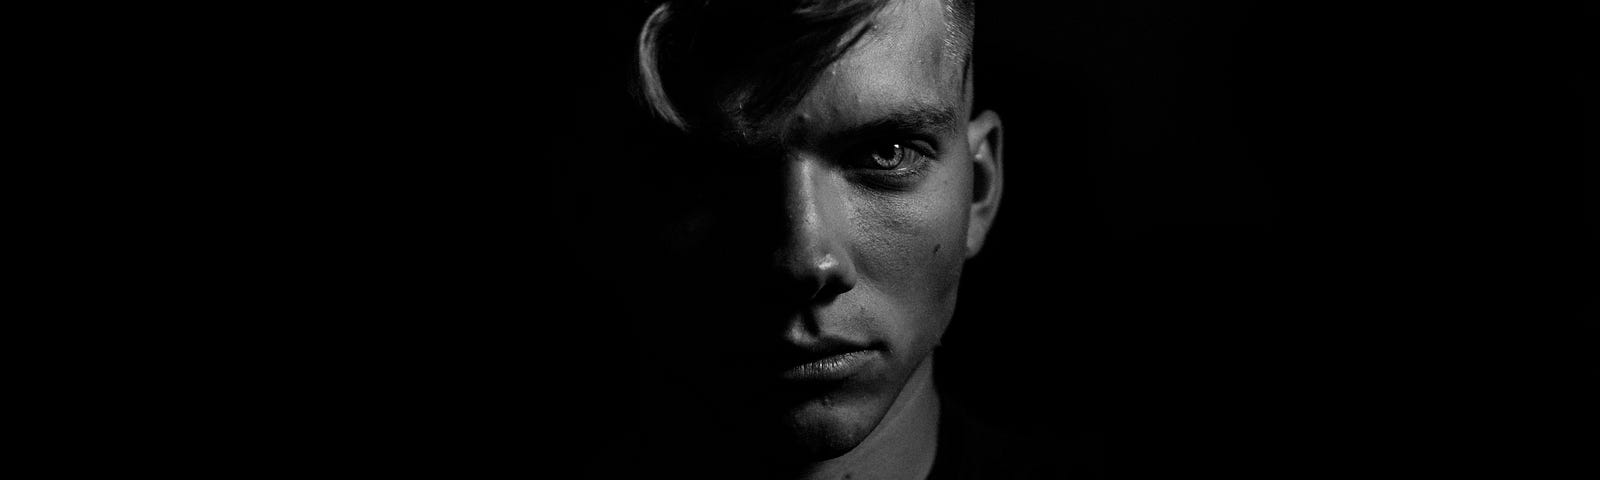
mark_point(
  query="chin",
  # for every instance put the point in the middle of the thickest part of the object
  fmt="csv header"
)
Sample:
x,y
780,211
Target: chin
x,y
827,428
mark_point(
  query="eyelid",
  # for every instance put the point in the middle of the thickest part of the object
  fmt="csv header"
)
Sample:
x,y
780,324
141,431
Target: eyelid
x,y
871,137
923,147
922,144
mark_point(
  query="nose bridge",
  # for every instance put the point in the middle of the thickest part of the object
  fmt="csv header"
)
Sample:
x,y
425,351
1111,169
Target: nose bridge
x,y
812,256
808,211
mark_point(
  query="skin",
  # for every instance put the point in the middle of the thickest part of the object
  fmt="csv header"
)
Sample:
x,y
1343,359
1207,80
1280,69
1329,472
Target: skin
x,y
813,238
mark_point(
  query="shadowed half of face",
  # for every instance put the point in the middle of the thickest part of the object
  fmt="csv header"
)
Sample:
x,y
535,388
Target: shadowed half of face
x,y
815,234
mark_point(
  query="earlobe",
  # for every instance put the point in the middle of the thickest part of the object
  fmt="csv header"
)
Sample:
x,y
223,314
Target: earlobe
x,y
984,139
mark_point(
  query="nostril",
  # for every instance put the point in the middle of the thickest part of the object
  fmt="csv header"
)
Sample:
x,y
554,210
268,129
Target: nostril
x,y
831,289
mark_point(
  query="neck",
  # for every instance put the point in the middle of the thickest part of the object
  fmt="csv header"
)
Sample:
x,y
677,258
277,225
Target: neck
x,y
901,447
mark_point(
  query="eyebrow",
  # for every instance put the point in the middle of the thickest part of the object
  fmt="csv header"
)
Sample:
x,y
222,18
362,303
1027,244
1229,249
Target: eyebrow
x,y
917,118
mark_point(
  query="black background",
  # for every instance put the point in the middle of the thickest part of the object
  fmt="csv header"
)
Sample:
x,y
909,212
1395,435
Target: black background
x,y
1236,239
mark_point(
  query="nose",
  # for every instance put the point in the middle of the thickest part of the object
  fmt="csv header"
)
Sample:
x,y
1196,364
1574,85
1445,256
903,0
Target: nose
x,y
812,262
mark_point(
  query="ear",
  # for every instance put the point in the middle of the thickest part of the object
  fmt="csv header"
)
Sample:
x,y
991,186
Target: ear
x,y
984,142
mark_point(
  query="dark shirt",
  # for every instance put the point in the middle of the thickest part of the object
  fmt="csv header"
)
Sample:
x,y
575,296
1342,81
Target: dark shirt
x,y
970,448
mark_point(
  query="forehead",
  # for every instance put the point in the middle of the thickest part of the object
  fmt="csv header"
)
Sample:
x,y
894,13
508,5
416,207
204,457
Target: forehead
x,y
906,59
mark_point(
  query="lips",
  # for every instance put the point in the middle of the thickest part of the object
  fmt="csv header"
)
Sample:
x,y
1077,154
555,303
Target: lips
x,y
833,368
829,360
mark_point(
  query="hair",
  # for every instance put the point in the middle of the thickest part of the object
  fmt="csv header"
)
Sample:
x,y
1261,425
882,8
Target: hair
x,y
689,51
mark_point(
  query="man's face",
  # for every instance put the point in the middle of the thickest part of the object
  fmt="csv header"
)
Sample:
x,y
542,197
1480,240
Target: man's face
x,y
819,249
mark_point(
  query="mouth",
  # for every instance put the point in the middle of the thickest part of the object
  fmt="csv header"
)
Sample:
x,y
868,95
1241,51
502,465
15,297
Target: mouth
x,y
827,361
832,368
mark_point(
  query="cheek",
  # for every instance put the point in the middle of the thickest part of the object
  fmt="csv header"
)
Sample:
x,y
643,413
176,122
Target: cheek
x,y
909,247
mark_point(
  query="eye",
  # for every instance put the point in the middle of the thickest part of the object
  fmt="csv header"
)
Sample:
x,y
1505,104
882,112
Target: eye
x,y
889,156
892,165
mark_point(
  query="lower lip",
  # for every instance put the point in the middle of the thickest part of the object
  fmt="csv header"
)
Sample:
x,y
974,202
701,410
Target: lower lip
x,y
834,368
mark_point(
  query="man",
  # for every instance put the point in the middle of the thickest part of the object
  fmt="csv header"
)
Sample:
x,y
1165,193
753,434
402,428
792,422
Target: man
x,y
824,177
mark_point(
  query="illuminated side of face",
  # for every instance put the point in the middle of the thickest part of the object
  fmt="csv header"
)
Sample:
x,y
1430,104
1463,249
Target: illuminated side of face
x,y
885,183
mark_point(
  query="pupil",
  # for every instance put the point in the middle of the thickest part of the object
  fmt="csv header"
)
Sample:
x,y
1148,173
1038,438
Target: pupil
x,y
888,156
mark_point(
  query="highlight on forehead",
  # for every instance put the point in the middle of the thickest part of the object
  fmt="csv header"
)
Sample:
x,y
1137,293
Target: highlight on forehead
x,y
712,61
